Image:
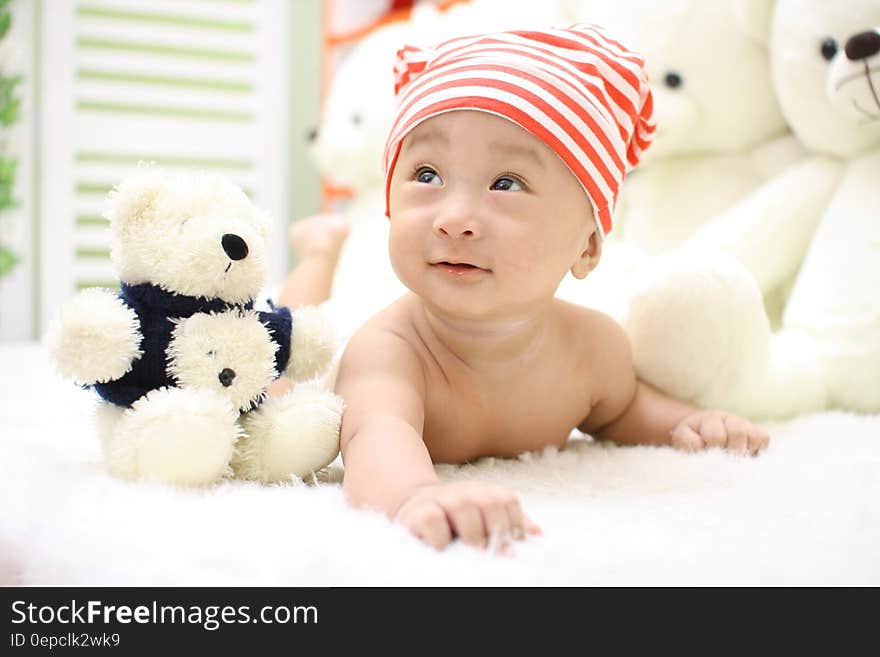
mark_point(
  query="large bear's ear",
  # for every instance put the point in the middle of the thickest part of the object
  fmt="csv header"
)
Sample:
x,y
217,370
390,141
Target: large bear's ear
x,y
131,199
755,17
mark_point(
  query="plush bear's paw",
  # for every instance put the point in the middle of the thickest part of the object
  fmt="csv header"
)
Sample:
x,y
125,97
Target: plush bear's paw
x,y
698,327
184,437
293,435
95,337
312,343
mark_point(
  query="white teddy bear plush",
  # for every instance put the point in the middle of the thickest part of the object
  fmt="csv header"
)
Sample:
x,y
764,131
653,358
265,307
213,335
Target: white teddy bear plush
x,y
720,131
180,357
698,326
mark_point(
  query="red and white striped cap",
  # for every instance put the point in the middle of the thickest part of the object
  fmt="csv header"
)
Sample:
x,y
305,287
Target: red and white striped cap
x,y
580,92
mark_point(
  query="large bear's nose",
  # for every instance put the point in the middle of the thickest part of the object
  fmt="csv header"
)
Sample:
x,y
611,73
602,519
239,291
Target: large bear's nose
x,y
235,247
862,45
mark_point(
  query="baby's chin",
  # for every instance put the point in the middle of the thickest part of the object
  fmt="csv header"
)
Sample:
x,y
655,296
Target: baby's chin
x,y
487,309
454,304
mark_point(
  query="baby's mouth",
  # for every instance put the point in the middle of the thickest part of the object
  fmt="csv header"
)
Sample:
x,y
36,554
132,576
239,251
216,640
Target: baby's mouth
x,y
458,267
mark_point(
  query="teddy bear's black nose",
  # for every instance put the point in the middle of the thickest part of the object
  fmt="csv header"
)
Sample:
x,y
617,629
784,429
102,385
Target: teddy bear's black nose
x,y
227,376
235,247
862,45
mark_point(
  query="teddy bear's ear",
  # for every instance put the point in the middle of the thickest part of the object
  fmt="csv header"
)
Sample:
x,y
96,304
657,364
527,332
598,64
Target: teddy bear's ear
x,y
131,199
755,17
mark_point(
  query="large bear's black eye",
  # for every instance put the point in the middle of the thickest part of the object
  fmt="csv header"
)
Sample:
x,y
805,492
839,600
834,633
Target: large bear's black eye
x,y
227,376
673,80
828,48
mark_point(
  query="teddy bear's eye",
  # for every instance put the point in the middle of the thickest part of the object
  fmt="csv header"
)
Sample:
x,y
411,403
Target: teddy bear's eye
x,y
211,353
828,48
673,80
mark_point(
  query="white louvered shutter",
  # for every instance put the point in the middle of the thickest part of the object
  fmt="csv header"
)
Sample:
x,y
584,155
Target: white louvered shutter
x,y
186,83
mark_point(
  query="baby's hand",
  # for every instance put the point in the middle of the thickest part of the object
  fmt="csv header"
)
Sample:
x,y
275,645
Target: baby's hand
x,y
718,429
476,513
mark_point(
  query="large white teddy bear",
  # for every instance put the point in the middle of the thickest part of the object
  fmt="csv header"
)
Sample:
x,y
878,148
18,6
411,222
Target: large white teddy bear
x,y
698,326
718,119
720,134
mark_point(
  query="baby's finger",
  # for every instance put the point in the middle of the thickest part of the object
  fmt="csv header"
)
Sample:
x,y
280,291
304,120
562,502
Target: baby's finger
x,y
517,520
497,524
737,434
712,430
758,440
686,439
467,523
429,523
531,526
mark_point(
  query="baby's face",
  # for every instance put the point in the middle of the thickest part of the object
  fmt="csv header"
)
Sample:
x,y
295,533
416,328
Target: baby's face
x,y
485,218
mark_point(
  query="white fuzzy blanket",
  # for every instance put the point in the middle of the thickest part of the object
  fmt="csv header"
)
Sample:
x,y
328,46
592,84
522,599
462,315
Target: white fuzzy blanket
x,y
806,512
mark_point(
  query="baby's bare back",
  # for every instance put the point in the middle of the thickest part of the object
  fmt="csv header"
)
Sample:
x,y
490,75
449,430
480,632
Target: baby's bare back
x,y
503,408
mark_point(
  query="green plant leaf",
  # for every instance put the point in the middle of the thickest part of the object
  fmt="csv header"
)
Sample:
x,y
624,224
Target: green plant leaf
x,y
8,260
7,182
9,104
5,22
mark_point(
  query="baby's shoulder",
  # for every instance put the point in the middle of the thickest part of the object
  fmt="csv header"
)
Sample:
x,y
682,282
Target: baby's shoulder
x,y
387,341
593,332
605,357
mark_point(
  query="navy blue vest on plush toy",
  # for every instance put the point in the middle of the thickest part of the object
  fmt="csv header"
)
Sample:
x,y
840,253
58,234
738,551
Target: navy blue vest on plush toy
x,y
155,308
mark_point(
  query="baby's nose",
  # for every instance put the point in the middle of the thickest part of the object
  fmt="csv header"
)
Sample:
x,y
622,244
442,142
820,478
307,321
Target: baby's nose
x,y
450,231
457,223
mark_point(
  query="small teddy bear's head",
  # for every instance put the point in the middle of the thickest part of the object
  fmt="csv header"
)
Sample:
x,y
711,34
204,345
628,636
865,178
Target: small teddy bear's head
x,y
826,66
230,353
191,234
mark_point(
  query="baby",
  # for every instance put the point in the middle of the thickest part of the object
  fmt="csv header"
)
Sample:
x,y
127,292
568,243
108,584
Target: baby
x,y
502,169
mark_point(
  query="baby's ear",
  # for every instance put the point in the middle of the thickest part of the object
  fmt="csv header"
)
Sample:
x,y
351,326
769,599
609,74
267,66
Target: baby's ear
x,y
131,199
589,257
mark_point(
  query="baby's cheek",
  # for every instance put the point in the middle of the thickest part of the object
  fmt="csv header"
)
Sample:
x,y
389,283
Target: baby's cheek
x,y
535,258
526,278
405,257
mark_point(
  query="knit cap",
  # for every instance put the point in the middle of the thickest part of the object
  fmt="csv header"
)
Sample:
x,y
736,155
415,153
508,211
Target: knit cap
x,y
583,94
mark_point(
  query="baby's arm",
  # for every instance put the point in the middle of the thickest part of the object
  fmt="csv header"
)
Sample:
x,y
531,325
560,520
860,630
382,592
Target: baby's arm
x,y
382,384
630,412
387,465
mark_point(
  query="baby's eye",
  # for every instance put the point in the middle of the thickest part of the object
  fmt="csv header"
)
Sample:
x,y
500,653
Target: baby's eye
x,y
428,176
506,184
